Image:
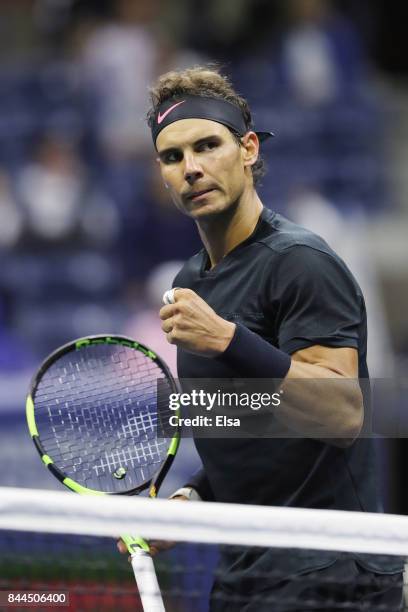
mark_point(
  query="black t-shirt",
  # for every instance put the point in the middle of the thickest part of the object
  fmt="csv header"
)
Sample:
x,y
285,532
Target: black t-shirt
x,y
287,285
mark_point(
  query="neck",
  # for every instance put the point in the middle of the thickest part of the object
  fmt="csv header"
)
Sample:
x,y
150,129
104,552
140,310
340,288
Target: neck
x,y
222,233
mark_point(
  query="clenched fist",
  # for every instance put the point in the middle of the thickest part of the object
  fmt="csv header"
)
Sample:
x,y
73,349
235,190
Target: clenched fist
x,y
192,325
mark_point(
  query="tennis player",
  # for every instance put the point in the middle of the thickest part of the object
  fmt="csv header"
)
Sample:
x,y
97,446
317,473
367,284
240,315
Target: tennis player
x,y
266,298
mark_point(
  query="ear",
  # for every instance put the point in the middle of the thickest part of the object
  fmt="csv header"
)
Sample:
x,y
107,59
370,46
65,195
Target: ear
x,y
250,148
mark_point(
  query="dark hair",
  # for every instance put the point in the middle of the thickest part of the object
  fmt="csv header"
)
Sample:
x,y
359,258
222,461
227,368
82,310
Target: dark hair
x,y
203,81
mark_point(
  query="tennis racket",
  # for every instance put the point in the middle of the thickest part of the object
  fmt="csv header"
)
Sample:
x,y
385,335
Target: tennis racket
x,y
93,412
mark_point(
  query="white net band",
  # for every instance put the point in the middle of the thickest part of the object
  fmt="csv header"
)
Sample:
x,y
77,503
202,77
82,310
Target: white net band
x,y
215,523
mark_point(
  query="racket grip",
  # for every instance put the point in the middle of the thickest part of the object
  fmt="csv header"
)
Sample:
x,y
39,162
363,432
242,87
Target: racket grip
x,y
146,581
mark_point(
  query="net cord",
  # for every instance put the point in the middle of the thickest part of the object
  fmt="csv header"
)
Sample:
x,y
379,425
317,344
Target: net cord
x,y
47,511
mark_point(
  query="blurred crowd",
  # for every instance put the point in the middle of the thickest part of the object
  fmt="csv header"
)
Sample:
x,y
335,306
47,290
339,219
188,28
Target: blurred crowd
x,y
88,237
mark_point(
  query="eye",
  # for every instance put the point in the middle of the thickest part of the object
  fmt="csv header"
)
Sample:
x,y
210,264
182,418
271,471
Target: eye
x,y
171,157
209,145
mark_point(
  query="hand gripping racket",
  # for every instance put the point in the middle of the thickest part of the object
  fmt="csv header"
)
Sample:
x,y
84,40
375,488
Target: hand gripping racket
x,y
94,415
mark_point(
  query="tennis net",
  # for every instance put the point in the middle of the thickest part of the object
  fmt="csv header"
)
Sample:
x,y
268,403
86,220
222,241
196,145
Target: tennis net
x,y
54,543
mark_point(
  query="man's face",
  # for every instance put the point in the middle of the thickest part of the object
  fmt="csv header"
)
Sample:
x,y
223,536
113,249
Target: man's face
x,y
203,166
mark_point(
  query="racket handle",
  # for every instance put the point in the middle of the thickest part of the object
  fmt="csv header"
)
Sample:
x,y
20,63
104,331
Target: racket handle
x,y
146,581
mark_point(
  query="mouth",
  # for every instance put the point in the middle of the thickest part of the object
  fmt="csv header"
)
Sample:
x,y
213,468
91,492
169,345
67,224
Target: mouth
x,y
196,196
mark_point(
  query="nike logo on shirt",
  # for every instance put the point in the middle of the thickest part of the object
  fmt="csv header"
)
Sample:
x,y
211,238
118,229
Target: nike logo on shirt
x,y
161,118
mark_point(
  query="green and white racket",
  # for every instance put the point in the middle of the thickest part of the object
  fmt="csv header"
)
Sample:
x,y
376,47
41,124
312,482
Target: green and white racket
x,y
94,415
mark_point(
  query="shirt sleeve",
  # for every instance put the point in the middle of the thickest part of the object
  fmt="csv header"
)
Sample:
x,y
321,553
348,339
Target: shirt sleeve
x,y
315,300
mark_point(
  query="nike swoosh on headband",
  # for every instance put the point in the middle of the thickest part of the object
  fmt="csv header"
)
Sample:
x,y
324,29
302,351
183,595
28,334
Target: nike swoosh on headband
x,y
160,117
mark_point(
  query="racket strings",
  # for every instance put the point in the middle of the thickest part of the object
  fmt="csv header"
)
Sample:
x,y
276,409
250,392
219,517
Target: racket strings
x,y
98,416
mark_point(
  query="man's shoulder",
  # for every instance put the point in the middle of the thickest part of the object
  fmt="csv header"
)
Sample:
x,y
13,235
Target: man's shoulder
x,y
299,251
282,235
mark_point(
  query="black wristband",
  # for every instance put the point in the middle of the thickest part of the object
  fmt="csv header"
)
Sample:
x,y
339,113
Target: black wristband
x,y
252,357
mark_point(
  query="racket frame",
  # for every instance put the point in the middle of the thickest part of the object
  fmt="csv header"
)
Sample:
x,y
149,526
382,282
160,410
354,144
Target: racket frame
x,y
155,482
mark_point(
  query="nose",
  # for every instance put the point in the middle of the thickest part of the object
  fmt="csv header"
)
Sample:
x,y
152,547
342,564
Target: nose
x,y
192,170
